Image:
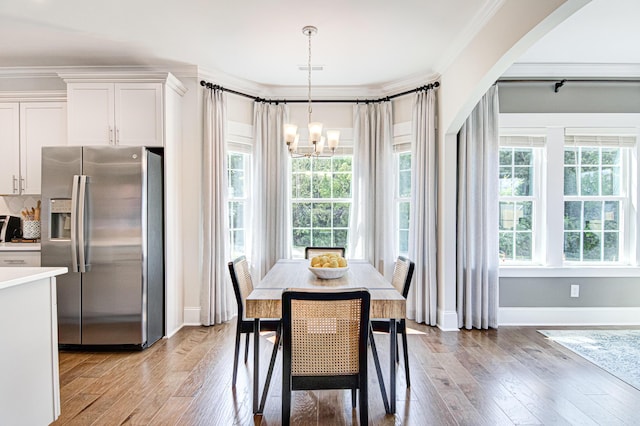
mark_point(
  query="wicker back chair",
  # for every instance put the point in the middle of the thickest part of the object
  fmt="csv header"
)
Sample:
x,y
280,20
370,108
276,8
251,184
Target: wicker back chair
x,y
242,286
310,252
324,344
402,275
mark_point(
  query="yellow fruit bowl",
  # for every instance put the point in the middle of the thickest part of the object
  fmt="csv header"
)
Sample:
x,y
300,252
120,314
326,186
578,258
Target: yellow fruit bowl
x,y
329,273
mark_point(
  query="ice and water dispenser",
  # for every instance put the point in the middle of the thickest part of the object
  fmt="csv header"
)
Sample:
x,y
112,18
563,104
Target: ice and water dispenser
x,y
60,209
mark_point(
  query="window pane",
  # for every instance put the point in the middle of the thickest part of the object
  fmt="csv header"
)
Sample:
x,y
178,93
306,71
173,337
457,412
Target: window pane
x,y
301,185
321,237
322,164
506,156
572,215
321,216
404,184
507,216
506,245
611,156
237,243
405,161
321,185
524,215
301,215
611,215
340,237
342,164
570,181
341,215
592,215
611,247
592,251
236,183
589,181
301,165
572,246
403,215
236,214
506,181
522,157
302,238
524,246
403,243
236,162
611,180
341,185
590,156
522,182
570,156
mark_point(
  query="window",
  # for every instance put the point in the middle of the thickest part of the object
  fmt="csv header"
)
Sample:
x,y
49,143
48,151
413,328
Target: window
x,y
403,200
592,203
567,193
237,169
320,202
517,204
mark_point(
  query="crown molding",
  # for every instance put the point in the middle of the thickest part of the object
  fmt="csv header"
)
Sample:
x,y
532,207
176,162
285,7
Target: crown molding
x,y
567,70
49,72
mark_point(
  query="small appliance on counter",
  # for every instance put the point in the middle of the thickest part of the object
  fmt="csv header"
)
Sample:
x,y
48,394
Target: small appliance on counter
x,y
9,228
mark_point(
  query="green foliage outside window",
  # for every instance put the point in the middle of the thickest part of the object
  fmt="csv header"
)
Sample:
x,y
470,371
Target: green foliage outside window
x,y
592,179
321,202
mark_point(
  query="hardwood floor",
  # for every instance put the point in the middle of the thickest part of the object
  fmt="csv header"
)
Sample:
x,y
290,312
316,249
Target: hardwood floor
x,y
512,375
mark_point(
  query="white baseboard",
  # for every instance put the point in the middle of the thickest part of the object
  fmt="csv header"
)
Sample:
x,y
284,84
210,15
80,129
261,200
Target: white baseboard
x,y
192,316
447,320
568,316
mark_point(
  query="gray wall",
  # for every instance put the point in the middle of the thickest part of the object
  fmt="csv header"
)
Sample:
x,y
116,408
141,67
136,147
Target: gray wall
x,y
555,292
571,98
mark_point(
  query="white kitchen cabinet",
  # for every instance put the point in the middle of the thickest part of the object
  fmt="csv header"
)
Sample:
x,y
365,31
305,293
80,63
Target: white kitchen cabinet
x,y
105,113
25,127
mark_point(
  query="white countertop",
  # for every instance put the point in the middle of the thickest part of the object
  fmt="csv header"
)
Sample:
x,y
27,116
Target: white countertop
x,y
19,246
13,276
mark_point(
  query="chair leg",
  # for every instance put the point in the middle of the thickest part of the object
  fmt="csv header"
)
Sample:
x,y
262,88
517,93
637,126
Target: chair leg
x,y
353,398
246,349
236,355
364,400
405,350
286,401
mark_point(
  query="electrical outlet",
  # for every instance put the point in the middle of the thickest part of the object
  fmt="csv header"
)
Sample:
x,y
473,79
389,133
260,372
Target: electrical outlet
x,y
575,290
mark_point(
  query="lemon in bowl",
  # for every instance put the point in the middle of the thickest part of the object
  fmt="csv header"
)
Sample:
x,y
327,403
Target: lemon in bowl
x,y
328,266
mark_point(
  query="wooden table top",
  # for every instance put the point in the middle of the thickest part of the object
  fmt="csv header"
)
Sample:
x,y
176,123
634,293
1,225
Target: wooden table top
x,y
265,300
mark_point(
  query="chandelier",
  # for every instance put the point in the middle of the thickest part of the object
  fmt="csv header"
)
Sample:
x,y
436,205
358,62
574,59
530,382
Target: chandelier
x,y
317,141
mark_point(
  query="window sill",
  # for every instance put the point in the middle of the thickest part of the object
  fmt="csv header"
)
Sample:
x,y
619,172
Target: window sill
x,y
568,271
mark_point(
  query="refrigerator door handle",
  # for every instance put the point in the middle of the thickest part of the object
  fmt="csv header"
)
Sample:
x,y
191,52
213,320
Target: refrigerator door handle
x,y
81,217
74,224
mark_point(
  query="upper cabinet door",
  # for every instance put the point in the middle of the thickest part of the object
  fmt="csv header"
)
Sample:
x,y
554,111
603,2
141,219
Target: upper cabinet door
x,y
41,124
91,114
10,143
138,114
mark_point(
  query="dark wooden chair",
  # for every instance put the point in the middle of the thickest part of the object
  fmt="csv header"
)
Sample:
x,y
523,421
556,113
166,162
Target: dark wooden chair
x,y
242,286
402,275
310,252
324,344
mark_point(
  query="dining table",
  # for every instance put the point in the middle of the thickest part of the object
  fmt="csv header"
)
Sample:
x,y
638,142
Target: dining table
x,y
265,302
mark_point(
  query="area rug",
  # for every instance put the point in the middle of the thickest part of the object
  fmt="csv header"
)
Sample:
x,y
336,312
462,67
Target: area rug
x,y
615,351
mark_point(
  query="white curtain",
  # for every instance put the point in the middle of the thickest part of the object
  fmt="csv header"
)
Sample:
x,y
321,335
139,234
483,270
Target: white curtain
x,y
216,292
271,213
477,223
371,235
422,297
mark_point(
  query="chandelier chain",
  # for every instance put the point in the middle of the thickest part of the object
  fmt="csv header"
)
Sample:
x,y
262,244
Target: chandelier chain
x,y
309,34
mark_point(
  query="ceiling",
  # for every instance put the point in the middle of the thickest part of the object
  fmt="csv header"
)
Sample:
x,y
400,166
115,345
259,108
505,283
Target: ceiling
x,y
360,43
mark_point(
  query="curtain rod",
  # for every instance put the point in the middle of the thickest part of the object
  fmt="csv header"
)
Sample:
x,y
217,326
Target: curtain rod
x,y
559,83
333,101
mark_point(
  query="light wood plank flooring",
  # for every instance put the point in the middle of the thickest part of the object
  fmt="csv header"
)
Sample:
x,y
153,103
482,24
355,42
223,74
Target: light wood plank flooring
x,y
497,377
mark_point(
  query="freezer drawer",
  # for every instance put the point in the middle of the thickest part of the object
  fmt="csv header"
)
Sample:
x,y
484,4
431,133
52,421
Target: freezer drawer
x,y
19,258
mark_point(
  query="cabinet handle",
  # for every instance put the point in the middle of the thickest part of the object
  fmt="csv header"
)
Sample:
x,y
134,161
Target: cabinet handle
x,y
117,136
22,185
110,135
15,184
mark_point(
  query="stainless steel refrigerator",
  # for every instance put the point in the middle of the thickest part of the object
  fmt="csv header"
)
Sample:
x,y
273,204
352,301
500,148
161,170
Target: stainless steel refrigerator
x,y
102,217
